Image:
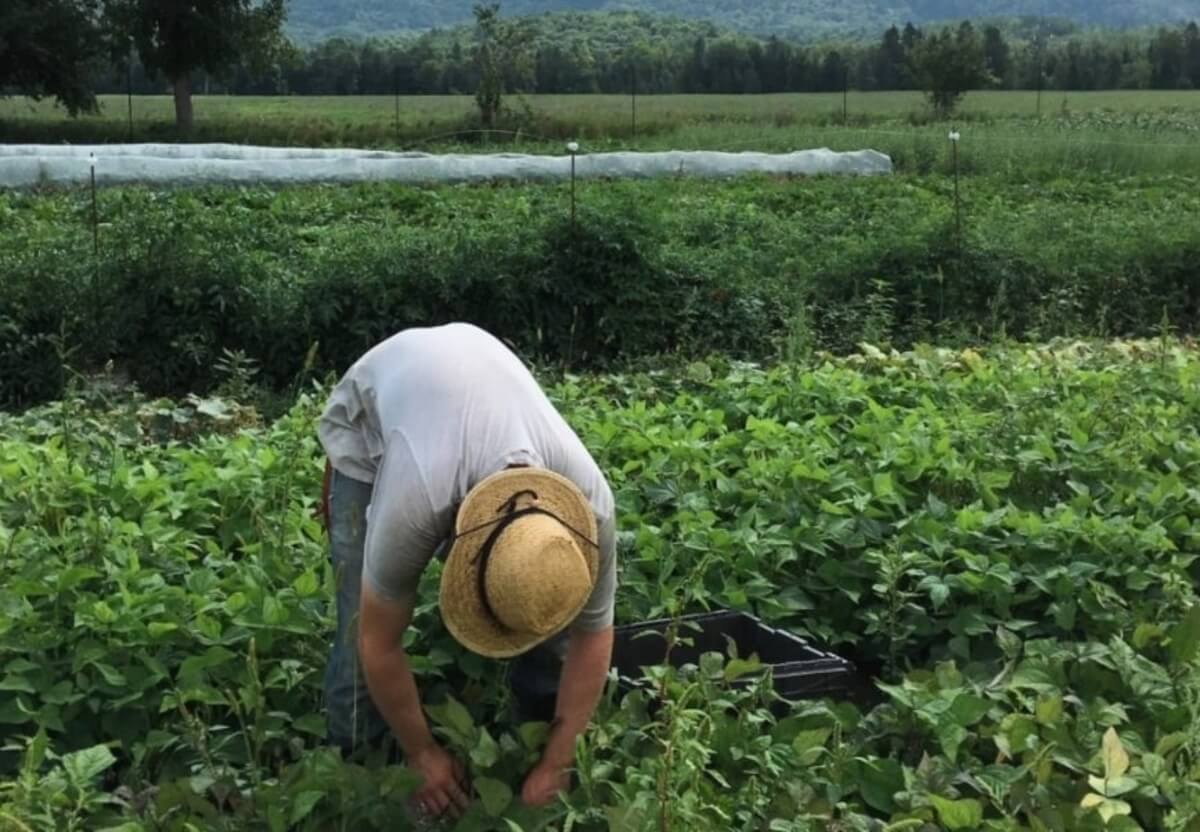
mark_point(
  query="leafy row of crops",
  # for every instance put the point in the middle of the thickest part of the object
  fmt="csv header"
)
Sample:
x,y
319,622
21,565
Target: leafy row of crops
x,y
754,268
1007,539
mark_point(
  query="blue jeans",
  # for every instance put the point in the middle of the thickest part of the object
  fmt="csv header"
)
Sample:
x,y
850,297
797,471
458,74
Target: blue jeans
x,y
352,720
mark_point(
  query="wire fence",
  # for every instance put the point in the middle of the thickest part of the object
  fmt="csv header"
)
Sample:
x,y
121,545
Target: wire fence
x,y
380,118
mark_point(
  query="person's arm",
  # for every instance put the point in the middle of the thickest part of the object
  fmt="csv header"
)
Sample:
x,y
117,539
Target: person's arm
x,y
585,668
385,664
390,680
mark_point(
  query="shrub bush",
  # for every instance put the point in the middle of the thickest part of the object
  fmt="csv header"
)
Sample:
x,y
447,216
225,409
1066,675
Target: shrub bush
x,y
646,268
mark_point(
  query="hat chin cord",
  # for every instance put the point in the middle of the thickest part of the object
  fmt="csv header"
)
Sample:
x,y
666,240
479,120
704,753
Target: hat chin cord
x,y
512,514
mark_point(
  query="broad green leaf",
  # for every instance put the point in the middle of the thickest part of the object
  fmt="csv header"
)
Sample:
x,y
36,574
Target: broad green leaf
x,y
830,508
1109,809
313,724
1171,742
951,736
191,668
17,683
1033,678
625,818
274,612
879,781
737,668
1116,761
495,795
1114,787
306,585
712,664
998,780
35,753
1146,633
902,695
82,766
486,752
303,804
1009,642
1018,733
16,712
938,594
111,675
810,741
968,709
958,814
18,666
453,715
1049,709
213,408
1185,638
948,677
882,485
236,602
103,612
73,577
399,780
533,734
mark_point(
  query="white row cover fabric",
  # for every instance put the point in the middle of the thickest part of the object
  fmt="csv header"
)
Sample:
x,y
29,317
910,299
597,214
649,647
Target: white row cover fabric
x,y
23,166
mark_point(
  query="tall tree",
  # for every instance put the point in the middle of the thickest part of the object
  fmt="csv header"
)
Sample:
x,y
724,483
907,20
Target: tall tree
x,y
835,72
1167,59
179,37
911,37
47,48
774,73
731,67
996,52
801,72
910,40
695,72
948,64
1191,48
889,61
502,50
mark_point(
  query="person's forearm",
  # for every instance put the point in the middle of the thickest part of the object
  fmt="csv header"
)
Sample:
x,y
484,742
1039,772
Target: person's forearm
x,y
394,690
584,671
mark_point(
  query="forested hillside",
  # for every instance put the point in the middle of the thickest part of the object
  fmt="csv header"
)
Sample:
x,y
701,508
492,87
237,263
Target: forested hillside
x,y
609,52
802,19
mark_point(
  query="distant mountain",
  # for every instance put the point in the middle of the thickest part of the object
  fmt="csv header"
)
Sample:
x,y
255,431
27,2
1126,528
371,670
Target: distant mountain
x,y
797,19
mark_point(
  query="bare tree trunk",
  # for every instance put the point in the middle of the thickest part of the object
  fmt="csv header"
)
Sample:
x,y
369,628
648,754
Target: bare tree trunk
x,y
183,104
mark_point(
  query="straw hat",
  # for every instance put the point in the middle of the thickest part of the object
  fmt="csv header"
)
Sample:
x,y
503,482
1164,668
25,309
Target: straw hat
x,y
522,564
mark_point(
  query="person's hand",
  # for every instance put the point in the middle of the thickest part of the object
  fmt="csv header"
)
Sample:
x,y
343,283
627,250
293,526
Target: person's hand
x,y
442,783
544,783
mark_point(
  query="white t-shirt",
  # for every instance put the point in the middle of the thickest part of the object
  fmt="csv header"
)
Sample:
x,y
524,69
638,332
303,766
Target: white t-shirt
x,y
427,414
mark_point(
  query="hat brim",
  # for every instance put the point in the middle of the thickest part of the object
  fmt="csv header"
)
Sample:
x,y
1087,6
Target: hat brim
x,y
462,609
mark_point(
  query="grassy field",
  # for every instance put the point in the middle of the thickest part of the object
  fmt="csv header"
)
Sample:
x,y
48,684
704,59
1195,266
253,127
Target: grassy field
x,y
1110,132
591,111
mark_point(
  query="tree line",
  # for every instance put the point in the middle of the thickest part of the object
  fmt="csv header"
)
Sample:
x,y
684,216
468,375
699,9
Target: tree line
x,y
712,61
73,49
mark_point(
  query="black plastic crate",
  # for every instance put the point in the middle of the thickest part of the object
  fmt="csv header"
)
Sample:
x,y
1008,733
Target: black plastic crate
x,y
799,670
